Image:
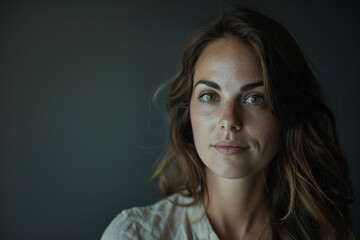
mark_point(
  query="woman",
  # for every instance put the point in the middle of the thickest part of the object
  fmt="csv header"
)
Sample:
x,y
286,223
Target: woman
x,y
254,151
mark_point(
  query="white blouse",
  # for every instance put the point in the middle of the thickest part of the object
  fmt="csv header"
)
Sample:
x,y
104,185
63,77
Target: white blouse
x,y
163,220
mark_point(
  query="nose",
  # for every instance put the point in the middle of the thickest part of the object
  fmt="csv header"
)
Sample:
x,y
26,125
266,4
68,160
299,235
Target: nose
x,y
231,117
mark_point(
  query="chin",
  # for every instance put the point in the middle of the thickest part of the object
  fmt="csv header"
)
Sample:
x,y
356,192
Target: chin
x,y
235,172
231,173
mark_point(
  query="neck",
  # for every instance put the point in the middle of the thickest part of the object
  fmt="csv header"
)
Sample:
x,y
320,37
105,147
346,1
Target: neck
x,y
236,208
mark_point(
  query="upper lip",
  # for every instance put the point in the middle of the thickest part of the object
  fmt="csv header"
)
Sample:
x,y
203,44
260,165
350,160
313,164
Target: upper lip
x,y
231,143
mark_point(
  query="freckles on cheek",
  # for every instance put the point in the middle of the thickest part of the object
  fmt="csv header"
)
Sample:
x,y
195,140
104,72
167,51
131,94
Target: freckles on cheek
x,y
203,121
206,119
254,123
263,126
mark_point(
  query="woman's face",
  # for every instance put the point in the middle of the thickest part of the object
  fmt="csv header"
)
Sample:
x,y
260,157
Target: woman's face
x,y
234,133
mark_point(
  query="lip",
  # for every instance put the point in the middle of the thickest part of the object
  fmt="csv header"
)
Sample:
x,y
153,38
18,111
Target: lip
x,y
230,147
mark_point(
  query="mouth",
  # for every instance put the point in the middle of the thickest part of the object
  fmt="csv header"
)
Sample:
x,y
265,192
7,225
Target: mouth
x,y
230,148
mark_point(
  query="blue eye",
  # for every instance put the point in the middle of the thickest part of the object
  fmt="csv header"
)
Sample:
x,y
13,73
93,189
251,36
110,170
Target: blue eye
x,y
208,98
255,99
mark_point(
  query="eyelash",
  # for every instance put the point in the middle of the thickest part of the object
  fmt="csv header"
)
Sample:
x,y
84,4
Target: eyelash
x,y
255,95
201,98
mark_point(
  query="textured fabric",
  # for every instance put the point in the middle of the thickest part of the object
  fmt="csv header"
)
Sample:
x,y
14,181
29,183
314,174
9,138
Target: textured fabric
x,y
163,220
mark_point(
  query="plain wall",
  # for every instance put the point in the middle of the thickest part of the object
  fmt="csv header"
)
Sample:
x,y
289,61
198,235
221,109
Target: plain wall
x,y
79,138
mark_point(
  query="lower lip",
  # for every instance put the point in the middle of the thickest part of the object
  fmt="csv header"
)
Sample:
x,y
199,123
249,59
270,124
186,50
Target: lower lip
x,y
228,150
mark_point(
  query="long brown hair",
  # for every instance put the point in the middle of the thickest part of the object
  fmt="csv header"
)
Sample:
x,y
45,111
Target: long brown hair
x,y
309,189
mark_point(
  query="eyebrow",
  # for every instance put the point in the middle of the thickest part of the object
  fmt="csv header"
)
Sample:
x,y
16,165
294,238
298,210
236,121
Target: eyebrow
x,y
208,83
250,86
244,88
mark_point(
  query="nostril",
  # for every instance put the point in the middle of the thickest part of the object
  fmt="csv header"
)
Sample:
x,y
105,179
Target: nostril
x,y
230,126
235,127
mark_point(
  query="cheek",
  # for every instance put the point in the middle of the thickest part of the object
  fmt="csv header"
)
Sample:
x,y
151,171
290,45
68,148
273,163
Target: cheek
x,y
203,122
195,121
265,129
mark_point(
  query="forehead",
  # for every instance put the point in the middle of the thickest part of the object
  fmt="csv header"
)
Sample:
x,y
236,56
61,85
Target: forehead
x,y
228,59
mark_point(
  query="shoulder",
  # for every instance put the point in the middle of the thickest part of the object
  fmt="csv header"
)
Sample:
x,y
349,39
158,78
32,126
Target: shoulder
x,y
162,220
121,227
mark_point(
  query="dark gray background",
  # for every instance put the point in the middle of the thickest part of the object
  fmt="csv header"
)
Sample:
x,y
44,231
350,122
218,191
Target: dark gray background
x,y
78,136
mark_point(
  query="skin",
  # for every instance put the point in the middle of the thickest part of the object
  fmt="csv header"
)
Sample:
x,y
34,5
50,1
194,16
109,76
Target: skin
x,y
235,136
